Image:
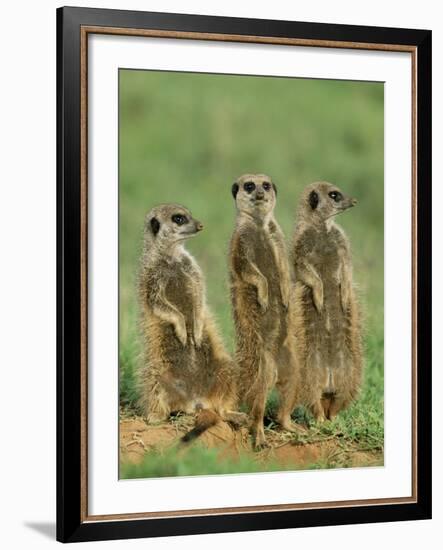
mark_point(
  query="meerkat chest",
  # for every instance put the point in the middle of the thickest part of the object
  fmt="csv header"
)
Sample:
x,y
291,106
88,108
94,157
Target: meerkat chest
x,y
264,253
326,253
183,281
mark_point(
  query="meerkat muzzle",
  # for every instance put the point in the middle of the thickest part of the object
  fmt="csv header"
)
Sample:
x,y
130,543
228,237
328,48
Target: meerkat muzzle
x,y
198,226
348,203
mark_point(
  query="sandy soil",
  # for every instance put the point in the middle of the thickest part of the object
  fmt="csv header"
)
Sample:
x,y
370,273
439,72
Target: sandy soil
x,y
137,439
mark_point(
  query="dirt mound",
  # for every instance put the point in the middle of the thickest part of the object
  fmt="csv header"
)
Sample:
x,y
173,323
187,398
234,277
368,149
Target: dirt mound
x,y
137,439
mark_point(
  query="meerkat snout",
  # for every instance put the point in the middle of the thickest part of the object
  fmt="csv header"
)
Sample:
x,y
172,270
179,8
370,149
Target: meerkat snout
x,y
260,194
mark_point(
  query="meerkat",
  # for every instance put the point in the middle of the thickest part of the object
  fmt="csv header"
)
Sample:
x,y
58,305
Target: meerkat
x,y
325,316
260,289
185,366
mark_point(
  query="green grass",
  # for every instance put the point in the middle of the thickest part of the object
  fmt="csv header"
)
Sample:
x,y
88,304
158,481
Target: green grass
x,y
185,138
198,460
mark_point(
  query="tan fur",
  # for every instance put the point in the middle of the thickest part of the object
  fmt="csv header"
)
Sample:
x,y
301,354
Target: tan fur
x,y
260,289
325,317
185,366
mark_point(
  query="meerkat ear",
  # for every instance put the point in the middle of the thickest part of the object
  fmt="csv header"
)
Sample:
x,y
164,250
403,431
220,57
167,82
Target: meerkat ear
x,y
155,226
234,189
275,188
313,200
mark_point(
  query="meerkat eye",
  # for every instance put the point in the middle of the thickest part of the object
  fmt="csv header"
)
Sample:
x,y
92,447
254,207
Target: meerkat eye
x,y
266,186
249,186
336,196
179,219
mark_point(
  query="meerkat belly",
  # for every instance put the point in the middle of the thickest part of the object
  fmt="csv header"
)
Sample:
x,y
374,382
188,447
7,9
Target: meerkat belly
x,y
330,325
189,363
265,261
270,320
179,360
335,349
180,294
328,270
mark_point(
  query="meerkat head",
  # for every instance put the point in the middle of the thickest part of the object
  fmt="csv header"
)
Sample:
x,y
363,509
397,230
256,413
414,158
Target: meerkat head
x,y
254,194
323,200
168,224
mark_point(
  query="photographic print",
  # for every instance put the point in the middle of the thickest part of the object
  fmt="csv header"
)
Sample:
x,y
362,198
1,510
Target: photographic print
x,y
251,274
244,274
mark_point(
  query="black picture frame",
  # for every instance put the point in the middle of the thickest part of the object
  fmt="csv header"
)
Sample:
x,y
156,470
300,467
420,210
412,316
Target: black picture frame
x,y
72,526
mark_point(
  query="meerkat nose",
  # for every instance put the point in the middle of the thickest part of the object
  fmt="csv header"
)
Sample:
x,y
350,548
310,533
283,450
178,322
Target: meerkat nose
x,y
199,226
354,202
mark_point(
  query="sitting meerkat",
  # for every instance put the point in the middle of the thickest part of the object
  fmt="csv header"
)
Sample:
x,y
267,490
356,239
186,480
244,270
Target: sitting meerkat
x,y
325,316
186,367
260,289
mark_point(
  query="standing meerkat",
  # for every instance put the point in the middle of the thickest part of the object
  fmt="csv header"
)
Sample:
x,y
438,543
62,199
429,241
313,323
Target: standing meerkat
x,y
325,316
186,367
260,289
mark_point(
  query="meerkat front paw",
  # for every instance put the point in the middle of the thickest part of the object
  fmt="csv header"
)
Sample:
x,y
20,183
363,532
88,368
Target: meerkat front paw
x,y
344,295
318,298
263,300
180,331
198,335
285,296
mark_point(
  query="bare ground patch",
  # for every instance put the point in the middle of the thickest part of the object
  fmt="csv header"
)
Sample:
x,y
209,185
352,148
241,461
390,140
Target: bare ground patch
x,y
304,450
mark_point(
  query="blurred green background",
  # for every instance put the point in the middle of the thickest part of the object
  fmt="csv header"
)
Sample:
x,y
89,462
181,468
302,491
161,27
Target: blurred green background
x,y
185,137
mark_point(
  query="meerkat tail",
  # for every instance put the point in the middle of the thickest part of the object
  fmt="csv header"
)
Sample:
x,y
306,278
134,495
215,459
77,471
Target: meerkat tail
x,y
205,419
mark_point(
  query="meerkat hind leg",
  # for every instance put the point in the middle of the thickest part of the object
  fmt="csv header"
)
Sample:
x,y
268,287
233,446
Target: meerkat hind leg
x,y
284,416
256,383
157,406
258,429
257,414
318,412
286,387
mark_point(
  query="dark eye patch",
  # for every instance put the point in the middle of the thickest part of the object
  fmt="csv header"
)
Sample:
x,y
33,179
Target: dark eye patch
x,y
249,186
313,199
155,225
179,219
266,186
336,196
